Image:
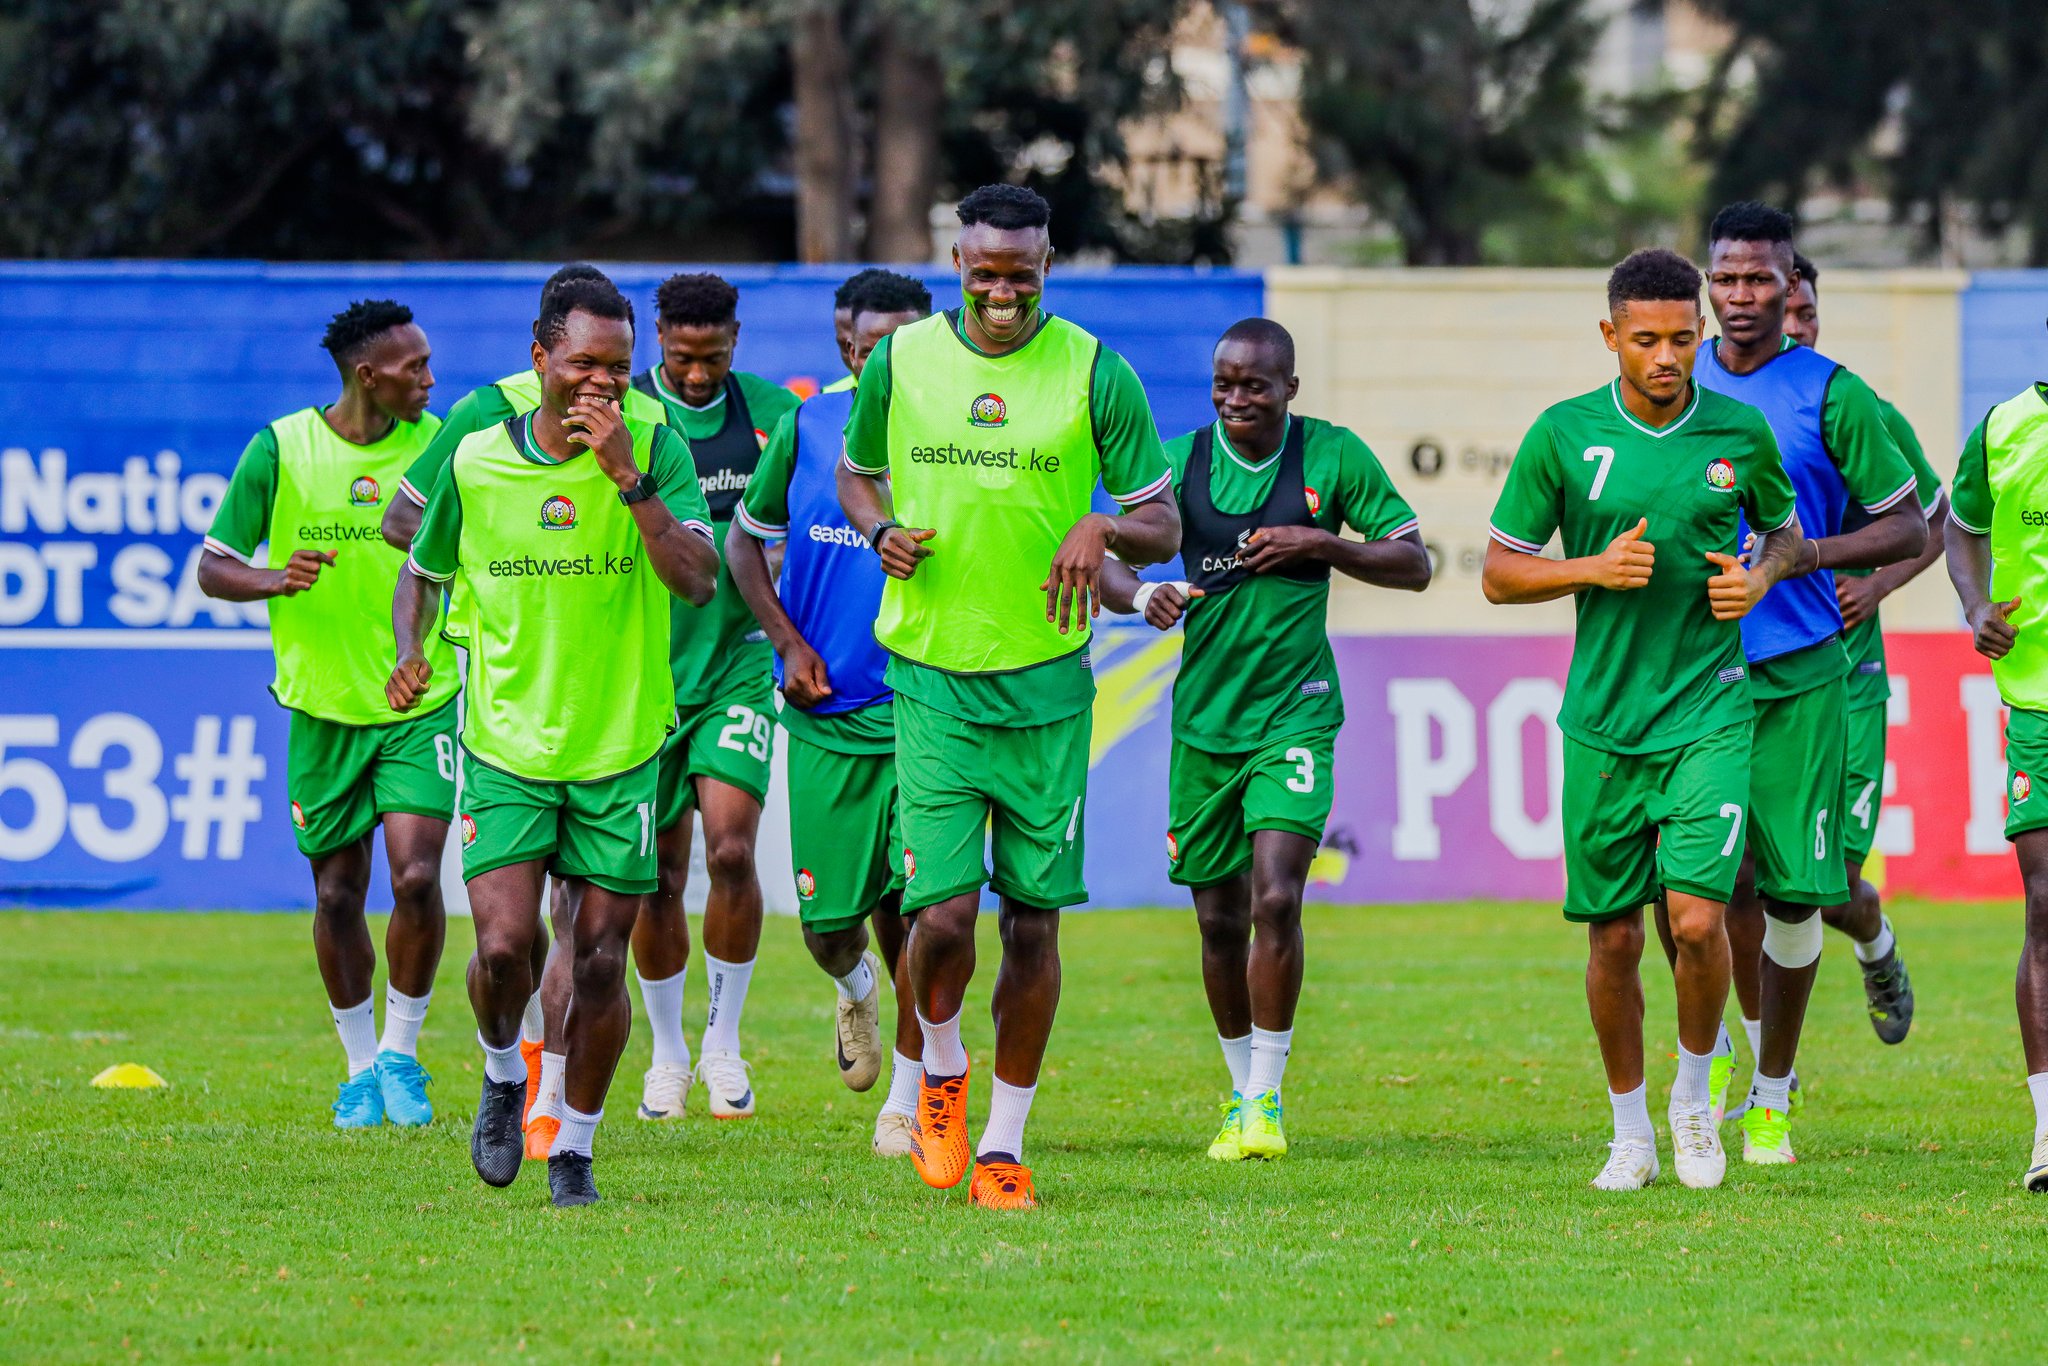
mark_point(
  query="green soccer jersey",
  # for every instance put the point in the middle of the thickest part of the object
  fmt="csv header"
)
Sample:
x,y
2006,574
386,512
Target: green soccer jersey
x,y
301,486
568,659
1651,668
1868,685
2001,491
486,407
1114,440
720,642
1257,664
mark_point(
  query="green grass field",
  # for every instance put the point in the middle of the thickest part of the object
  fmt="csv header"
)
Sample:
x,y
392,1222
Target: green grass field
x,y
1445,1109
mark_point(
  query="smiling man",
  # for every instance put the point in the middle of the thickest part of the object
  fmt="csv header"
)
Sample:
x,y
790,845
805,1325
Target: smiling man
x,y
987,429
313,486
1648,480
569,528
1264,496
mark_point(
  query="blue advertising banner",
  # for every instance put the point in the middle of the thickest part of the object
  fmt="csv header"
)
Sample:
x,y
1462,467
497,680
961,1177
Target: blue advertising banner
x,y
2005,347
141,759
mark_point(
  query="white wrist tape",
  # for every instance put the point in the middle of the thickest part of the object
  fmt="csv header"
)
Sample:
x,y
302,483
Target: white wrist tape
x,y
1146,590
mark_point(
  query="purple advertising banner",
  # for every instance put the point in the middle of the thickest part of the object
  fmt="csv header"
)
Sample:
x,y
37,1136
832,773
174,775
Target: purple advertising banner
x,y
1449,770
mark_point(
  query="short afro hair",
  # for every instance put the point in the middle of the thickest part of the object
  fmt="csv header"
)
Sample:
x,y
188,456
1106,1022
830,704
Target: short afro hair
x,y
350,332
1005,207
1653,274
849,291
597,296
1751,220
704,300
888,292
1266,333
1808,271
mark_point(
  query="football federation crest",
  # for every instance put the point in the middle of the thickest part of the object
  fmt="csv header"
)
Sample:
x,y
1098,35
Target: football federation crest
x,y
1315,500
1721,476
2022,787
909,864
363,492
806,885
558,514
468,830
989,411
298,816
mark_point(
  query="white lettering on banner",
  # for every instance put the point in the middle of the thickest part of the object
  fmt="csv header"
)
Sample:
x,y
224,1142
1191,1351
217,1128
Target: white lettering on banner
x,y
1984,727
1894,834
1522,701
141,500
55,568
1420,776
217,788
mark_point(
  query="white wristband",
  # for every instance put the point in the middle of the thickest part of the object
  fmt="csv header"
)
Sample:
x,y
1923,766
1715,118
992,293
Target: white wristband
x,y
1146,590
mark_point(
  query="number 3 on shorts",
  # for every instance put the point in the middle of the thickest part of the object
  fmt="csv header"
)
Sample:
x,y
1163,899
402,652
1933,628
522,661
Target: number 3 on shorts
x,y
1304,761
746,722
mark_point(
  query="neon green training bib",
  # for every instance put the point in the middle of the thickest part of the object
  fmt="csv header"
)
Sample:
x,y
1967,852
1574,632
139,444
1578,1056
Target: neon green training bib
x,y
2016,467
998,455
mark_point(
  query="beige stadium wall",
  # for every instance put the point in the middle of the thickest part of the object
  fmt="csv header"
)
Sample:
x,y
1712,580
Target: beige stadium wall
x,y
1441,371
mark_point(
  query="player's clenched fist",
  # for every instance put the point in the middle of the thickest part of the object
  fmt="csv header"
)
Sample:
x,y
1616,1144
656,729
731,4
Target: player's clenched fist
x,y
902,548
302,570
408,682
1626,562
1993,631
1164,603
1733,591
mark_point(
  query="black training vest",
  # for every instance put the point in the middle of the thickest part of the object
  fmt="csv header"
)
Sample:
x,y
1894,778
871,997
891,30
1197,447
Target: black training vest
x,y
725,459
1210,539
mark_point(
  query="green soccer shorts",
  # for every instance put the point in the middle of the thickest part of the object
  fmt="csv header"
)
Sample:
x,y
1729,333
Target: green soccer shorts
x,y
730,738
1017,791
845,838
1798,766
2026,762
601,831
1863,791
1636,822
1216,801
340,779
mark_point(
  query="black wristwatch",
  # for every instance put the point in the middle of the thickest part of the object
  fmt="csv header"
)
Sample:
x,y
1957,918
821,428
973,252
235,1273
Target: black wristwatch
x,y
640,492
875,533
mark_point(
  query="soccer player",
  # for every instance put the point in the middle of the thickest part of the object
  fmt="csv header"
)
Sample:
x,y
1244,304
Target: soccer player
x,y
987,429
1836,452
843,301
1995,562
569,528
717,760
838,713
1264,496
311,485
1647,480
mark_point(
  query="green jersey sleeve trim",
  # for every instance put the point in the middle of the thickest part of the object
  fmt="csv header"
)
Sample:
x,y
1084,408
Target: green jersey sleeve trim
x,y
1529,492
1853,429
763,510
1970,501
867,426
473,412
439,538
1134,466
242,522
1370,504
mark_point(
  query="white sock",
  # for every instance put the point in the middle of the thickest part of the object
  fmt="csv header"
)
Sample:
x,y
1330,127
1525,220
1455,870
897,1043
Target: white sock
x,y
357,1026
2038,1084
1237,1056
403,1016
1754,1031
1632,1115
1724,1047
1689,1091
859,984
944,1054
728,999
1770,1093
1876,949
1269,1060
902,1085
1008,1108
503,1064
578,1129
532,1025
664,1002
547,1100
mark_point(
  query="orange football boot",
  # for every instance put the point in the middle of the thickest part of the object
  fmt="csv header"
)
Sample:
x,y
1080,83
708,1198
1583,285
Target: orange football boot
x,y
540,1137
1001,1185
530,1052
939,1146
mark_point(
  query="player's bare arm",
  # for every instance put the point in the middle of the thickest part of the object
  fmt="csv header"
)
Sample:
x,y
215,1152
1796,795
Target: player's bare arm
x,y
1859,596
804,680
413,608
1898,533
684,561
865,500
226,578
401,522
1515,576
1396,562
1969,569
1146,533
1121,591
